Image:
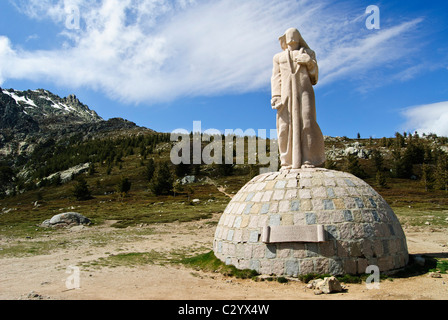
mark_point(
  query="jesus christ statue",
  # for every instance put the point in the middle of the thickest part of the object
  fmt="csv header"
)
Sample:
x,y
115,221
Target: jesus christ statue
x,y
301,143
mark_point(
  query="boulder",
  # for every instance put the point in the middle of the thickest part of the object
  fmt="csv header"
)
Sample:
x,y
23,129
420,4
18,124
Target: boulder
x,y
67,175
327,285
67,219
188,180
357,149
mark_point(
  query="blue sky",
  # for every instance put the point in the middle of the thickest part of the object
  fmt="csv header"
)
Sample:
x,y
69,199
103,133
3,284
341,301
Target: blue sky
x,y
166,63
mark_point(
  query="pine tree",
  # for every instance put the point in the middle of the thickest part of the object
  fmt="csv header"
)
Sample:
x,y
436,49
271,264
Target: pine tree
x,y
196,169
182,170
428,157
441,173
224,169
381,179
177,188
150,169
92,170
190,192
81,190
353,166
378,159
415,152
399,140
402,163
142,151
6,177
124,186
162,182
427,177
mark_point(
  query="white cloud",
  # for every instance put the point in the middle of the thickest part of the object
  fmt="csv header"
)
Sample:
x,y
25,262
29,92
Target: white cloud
x,y
158,50
374,51
430,118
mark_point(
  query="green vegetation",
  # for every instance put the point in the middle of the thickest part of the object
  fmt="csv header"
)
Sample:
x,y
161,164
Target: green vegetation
x,y
162,181
7,179
410,172
124,186
209,263
150,169
129,260
143,162
353,166
441,266
206,262
81,190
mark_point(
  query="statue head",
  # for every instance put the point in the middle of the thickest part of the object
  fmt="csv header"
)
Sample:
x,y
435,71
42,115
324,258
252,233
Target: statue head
x,y
293,38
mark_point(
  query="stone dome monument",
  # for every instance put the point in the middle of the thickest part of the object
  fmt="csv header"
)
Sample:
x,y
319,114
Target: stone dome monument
x,y
304,219
310,220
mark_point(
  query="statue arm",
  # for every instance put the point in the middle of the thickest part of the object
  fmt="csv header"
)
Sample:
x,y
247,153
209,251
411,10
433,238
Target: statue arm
x,y
276,84
313,68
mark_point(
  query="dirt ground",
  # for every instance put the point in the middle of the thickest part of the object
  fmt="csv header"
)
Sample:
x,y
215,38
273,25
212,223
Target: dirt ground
x,y
45,275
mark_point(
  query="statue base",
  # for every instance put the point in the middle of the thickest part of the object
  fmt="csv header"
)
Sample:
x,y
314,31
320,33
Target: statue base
x,y
310,220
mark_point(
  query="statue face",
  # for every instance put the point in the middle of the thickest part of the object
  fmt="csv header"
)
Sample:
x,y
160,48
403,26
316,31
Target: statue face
x,y
292,37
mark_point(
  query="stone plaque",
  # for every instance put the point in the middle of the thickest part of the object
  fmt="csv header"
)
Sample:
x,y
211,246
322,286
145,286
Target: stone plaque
x,y
283,234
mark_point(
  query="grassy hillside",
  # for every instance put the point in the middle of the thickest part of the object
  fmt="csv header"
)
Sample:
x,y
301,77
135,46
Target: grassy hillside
x,y
412,168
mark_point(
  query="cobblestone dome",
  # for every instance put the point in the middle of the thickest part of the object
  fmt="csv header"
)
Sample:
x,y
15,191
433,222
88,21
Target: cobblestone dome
x,y
310,221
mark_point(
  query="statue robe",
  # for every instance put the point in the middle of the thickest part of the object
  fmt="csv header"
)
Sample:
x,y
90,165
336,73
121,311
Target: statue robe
x,y
299,136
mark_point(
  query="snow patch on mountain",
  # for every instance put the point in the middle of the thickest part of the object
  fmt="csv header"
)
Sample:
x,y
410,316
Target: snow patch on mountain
x,y
19,99
43,103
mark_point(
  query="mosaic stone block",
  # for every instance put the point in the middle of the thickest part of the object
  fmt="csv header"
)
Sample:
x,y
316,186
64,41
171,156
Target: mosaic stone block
x,y
265,208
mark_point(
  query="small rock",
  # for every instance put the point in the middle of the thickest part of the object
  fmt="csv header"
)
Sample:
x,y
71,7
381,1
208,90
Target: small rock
x,y
419,260
435,275
327,285
196,201
35,296
330,285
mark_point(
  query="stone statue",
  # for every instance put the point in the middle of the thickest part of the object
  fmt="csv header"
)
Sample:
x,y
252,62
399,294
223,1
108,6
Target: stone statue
x,y
301,143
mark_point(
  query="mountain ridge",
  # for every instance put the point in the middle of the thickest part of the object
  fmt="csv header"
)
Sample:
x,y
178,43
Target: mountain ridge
x,y
42,103
30,117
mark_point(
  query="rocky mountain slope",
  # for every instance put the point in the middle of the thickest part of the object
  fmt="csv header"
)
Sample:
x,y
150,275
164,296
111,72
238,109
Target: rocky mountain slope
x,y
28,118
42,105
